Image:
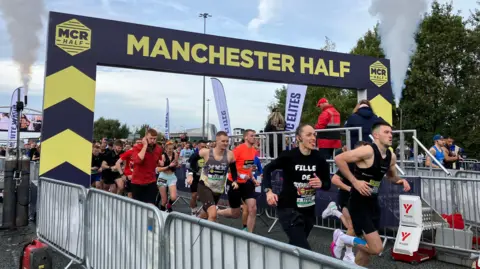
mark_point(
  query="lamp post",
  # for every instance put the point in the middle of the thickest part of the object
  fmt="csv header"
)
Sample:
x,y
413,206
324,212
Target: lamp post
x,y
204,16
208,116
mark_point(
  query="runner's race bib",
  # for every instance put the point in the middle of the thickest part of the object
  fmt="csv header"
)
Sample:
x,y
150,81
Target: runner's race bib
x,y
305,194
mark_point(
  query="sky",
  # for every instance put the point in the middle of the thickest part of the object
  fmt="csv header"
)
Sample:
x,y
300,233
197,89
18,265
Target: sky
x,y
138,97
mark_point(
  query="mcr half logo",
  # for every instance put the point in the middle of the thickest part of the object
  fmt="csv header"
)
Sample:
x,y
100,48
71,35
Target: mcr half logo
x,y
73,37
407,207
405,235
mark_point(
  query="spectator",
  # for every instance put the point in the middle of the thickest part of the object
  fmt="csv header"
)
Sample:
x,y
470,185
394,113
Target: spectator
x,y
275,123
327,142
364,117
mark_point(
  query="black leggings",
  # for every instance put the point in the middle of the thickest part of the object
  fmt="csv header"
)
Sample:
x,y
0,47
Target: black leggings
x,y
297,225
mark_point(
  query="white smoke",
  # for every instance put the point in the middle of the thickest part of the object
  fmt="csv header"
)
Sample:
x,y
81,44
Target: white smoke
x,y
23,19
399,20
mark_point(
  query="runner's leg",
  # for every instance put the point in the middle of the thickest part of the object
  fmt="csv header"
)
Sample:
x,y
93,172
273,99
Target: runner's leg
x,y
244,216
120,182
163,197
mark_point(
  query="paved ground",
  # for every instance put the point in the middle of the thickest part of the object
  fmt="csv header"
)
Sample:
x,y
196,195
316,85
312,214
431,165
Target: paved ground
x,y
11,243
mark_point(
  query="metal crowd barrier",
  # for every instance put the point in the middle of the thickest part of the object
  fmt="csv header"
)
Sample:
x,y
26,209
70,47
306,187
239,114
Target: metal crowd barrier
x,y
122,232
194,243
101,230
60,217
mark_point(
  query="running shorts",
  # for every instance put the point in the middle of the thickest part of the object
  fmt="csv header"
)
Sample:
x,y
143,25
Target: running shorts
x,y
109,177
365,214
245,191
95,178
194,186
342,199
167,179
144,193
207,196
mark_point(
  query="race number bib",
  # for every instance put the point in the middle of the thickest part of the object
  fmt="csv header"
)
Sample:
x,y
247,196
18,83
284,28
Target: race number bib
x,y
305,194
375,186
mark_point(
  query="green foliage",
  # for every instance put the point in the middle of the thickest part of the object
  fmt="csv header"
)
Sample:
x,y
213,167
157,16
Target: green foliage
x,y
442,88
109,128
440,96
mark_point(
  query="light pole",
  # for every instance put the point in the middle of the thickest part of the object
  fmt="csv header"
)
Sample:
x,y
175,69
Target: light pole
x,y
208,115
204,16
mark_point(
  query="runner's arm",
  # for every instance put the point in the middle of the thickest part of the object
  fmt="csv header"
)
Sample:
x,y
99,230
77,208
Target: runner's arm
x,y
392,175
232,166
162,169
105,165
337,181
429,161
118,165
139,155
356,155
323,172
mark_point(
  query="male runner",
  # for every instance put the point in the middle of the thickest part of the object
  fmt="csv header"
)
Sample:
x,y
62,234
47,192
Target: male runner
x,y
245,161
195,168
126,161
344,188
146,156
110,174
213,175
371,164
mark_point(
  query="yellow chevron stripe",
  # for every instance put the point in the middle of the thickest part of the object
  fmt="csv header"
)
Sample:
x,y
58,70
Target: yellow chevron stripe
x,y
382,108
69,147
69,83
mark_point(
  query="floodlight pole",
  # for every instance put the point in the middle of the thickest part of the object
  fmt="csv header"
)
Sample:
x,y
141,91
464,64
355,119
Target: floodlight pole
x,y
204,16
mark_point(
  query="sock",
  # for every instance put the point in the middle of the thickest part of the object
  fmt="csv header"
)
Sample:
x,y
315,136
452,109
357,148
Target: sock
x,y
170,201
337,213
349,250
347,239
244,225
359,241
162,208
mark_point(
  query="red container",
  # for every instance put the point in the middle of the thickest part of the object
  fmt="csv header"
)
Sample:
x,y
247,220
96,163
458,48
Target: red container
x,y
35,256
423,254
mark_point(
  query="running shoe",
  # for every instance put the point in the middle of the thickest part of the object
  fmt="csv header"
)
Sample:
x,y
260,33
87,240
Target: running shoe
x,y
337,245
169,208
332,206
245,229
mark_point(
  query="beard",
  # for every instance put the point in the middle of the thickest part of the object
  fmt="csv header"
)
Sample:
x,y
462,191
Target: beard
x,y
150,147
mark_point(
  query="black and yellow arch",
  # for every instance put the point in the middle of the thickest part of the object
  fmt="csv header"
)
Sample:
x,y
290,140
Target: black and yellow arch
x,y
77,45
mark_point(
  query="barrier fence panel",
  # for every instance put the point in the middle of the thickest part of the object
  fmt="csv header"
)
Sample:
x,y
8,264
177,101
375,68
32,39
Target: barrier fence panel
x,y
468,174
60,219
192,243
122,232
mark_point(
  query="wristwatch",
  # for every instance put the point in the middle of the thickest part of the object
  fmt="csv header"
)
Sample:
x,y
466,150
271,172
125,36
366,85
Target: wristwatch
x,y
266,190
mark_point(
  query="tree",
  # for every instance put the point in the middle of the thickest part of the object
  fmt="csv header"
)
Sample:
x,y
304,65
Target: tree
x,y
437,97
143,129
109,128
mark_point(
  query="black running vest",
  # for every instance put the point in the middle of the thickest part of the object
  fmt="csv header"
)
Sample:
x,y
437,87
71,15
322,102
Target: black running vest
x,y
374,174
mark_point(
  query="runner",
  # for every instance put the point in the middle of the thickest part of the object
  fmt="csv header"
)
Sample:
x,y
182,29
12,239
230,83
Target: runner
x,y
146,156
167,177
195,168
371,164
96,174
296,203
213,176
258,171
125,164
110,174
344,188
245,161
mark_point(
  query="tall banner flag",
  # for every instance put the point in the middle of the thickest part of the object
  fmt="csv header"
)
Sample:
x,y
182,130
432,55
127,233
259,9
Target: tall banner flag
x,y
14,117
221,104
167,122
294,105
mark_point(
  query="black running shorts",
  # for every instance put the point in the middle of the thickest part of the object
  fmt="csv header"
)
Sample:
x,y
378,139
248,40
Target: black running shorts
x,y
342,199
365,214
207,196
245,191
144,193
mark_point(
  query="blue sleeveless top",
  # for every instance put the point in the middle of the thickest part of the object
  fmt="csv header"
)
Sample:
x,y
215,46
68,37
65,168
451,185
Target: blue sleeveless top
x,y
438,155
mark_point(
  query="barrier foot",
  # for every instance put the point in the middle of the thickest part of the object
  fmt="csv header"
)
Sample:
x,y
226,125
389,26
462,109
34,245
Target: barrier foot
x,y
273,224
181,198
260,218
384,244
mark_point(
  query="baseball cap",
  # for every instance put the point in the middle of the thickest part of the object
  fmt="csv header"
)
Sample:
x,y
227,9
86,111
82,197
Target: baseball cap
x,y
437,137
322,101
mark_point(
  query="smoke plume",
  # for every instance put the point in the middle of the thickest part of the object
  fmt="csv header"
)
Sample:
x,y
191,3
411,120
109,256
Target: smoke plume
x,y
23,19
399,20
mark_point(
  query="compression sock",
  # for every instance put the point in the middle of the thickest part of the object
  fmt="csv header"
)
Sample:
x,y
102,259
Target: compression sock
x,y
337,213
353,241
162,208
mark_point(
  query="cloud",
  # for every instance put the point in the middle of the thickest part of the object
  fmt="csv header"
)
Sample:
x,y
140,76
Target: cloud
x,y
266,12
137,97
